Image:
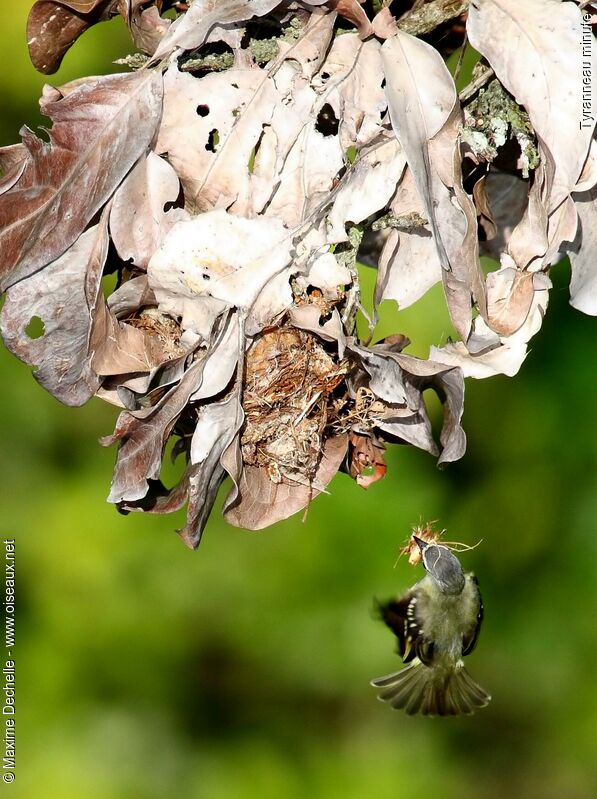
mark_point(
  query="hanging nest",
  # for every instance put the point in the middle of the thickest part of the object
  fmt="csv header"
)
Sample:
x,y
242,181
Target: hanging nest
x,y
162,328
289,382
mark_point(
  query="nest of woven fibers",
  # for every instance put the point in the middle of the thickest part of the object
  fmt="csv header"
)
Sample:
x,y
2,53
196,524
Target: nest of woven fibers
x,y
288,387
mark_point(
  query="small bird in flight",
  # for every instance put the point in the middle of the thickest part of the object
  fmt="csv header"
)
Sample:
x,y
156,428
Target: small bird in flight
x,y
437,623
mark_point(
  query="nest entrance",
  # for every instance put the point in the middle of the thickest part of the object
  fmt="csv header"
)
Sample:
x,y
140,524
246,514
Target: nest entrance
x,y
288,382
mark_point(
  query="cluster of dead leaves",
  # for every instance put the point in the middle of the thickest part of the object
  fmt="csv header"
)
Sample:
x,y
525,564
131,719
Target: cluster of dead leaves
x,y
229,203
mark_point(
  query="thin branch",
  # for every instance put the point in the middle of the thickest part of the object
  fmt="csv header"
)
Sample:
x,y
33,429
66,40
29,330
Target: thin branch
x,y
425,18
476,84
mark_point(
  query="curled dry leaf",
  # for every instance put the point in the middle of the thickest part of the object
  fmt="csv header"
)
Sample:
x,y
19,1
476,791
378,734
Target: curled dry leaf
x,y
261,502
508,353
509,297
217,426
143,439
100,129
367,461
122,349
409,262
353,12
191,30
147,27
384,24
52,27
398,381
353,86
139,219
370,186
425,116
421,95
583,283
311,48
62,297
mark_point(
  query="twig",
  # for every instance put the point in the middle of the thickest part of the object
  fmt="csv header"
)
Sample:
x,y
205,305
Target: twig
x,y
474,86
426,18
461,58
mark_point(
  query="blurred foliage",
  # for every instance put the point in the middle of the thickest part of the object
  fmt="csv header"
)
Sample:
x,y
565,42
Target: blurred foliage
x,y
241,671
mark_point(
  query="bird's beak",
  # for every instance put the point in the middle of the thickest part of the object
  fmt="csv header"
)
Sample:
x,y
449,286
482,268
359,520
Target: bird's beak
x,y
421,544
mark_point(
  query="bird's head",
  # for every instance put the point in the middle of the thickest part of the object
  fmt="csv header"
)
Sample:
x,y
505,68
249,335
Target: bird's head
x,y
442,566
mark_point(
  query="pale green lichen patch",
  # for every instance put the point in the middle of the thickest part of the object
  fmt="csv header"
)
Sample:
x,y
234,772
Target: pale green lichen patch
x,y
492,119
134,61
293,30
262,50
405,222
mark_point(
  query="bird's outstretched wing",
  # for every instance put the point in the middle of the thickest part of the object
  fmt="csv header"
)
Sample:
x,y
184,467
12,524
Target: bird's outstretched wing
x,y
401,617
470,641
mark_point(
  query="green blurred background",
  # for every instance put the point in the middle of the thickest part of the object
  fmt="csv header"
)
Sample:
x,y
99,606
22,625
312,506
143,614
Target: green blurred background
x,y
241,671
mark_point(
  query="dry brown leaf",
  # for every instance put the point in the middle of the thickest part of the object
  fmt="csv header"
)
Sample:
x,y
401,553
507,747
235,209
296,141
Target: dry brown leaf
x,y
63,296
409,262
310,170
143,440
130,296
508,353
367,459
223,115
349,82
191,30
308,317
217,426
369,187
399,380
100,130
13,160
120,349
425,117
138,219
221,363
261,502
353,12
506,196
52,27
536,241
310,50
561,231
384,24
509,297
528,240
218,257
408,267
583,283
421,95
486,220
148,28
200,483
457,220
85,6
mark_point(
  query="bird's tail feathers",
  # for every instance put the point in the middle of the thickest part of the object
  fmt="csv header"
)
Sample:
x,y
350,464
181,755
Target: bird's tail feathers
x,y
432,692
